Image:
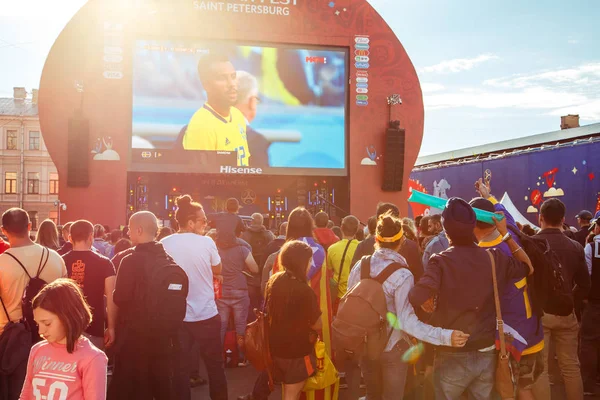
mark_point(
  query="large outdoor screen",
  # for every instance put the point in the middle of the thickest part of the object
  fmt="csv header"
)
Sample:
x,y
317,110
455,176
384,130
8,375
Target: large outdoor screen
x,y
234,108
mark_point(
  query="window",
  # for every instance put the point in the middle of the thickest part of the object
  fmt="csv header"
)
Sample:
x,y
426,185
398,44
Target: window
x,y
11,140
54,216
34,140
10,182
53,188
33,183
33,218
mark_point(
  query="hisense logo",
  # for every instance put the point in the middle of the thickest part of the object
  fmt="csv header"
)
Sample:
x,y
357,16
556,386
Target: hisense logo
x,y
226,169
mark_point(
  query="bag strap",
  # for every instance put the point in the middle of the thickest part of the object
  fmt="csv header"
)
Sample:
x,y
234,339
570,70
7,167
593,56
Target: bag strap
x,y
499,321
40,266
388,271
365,268
19,262
5,310
343,258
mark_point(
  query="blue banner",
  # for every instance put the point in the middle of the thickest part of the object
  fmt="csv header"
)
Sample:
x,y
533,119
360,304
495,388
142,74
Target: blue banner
x,y
571,174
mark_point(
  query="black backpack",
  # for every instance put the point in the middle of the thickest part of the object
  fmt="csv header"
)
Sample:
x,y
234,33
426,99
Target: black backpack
x,y
547,281
165,295
33,287
259,242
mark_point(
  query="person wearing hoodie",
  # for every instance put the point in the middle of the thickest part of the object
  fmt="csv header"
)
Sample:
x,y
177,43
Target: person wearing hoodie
x,y
323,234
258,237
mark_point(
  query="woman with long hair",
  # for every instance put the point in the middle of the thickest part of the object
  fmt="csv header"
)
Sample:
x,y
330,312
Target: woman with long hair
x,y
300,227
47,235
293,314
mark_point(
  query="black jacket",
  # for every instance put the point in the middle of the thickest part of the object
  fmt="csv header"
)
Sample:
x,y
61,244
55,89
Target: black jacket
x,y
67,247
409,250
461,278
132,279
259,148
582,234
572,258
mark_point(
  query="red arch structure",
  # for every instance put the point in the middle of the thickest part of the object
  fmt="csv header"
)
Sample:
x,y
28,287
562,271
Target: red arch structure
x,y
78,56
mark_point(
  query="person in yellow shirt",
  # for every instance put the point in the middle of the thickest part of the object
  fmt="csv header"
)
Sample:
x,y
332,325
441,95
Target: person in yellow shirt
x,y
340,254
218,126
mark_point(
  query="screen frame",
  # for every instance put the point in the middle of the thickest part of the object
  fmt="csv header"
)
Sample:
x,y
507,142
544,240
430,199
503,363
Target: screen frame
x,y
179,168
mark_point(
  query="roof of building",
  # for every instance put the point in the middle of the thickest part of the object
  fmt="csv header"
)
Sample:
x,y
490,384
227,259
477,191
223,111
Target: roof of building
x,y
534,140
17,108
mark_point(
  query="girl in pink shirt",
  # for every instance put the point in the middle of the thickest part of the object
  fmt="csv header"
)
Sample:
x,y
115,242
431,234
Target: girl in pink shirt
x,y
65,366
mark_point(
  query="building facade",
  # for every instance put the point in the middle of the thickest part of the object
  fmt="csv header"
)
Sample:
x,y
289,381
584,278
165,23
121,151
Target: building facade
x,y
28,175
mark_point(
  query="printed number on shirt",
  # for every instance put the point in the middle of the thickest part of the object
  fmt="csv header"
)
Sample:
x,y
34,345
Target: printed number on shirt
x,y
57,391
241,155
522,284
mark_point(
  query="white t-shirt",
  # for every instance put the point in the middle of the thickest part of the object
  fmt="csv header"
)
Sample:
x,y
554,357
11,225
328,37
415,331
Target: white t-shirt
x,y
196,255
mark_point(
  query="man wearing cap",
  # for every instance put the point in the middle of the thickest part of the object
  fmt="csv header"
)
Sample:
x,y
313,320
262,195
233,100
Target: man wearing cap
x,y
583,219
520,320
460,280
590,324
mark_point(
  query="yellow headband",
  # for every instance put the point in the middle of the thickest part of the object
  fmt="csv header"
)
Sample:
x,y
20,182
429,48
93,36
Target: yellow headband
x,y
390,239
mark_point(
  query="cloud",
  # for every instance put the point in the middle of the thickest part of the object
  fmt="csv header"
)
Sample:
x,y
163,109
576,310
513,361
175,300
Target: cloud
x,y
428,87
588,73
589,110
573,41
572,90
539,97
458,64
554,192
367,161
532,210
108,155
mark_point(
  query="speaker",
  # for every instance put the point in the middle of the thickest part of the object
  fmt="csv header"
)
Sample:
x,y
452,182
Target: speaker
x,y
78,152
393,164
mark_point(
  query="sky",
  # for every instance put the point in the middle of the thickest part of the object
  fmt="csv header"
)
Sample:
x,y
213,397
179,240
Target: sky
x,y
489,70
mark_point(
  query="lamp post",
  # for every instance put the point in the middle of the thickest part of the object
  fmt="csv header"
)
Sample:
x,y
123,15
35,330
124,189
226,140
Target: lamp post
x,y
59,205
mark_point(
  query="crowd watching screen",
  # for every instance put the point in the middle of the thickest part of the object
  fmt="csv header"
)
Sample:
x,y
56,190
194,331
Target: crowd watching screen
x,y
217,107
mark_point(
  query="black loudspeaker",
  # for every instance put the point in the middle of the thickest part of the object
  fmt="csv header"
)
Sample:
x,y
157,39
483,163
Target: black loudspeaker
x,y
393,164
78,152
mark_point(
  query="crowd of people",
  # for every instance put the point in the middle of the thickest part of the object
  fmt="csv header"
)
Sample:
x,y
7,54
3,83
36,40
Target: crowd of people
x,y
94,313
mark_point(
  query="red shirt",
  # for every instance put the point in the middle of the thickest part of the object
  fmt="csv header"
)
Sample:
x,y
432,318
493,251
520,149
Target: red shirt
x,y
325,237
4,246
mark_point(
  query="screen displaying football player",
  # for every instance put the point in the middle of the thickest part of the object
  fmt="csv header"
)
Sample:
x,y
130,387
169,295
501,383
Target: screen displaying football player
x,y
248,102
218,126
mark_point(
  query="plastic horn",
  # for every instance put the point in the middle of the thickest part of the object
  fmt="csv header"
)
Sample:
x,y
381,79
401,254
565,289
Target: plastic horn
x,y
440,204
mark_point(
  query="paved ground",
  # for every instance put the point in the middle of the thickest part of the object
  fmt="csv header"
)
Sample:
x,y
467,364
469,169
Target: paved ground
x,y
241,380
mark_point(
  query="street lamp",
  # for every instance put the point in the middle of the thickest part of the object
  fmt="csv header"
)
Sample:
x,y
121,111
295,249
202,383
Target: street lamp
x,y
59,205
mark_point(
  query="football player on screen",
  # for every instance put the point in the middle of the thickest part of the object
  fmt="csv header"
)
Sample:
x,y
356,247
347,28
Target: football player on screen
x,y
218,125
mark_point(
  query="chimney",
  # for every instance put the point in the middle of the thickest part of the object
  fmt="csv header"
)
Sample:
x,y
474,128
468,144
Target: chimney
x,y
569,121
34,96
19,93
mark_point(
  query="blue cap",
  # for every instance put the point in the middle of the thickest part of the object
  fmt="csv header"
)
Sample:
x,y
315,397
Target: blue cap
x,y
458,218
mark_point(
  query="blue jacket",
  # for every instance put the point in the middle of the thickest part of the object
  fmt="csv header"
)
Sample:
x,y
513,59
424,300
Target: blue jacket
x,y
435,246
461,279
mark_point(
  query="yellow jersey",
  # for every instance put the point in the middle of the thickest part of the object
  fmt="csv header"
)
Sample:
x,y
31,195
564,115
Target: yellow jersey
x,y
208,130
334,259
